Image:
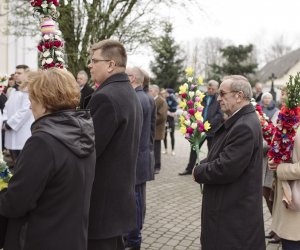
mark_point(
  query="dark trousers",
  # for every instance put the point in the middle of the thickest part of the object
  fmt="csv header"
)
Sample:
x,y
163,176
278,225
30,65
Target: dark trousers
x,y
170,127
115,243
157,154
134,238
290,245
193,156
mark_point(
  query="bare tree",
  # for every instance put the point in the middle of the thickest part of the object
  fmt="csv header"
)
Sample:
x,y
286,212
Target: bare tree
x,y
278,49
202,53
84,22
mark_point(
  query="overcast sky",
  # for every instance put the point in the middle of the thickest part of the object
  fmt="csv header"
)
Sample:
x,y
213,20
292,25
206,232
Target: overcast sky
x,y
241,21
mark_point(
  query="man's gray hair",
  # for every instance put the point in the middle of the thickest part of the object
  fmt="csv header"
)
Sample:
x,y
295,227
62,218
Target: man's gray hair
x,y
155,87
213,83
240,83
82,72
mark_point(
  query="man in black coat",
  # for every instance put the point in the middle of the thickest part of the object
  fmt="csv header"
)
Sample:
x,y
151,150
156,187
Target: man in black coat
x,y
232,211
85,90
144,172
211,113
117,116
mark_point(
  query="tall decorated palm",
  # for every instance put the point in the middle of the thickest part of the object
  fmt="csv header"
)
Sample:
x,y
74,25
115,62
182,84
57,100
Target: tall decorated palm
x,y
51,45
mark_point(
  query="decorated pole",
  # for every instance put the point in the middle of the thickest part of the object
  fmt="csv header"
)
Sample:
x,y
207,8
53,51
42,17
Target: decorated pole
x,y
192,124
51,45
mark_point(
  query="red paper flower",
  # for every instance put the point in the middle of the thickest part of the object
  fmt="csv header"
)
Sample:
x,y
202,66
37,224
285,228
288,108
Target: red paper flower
x,y
189,130
184,95
57,43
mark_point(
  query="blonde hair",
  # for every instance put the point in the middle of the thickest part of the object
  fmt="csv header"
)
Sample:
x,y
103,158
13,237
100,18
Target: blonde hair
x,y
56,89
111,50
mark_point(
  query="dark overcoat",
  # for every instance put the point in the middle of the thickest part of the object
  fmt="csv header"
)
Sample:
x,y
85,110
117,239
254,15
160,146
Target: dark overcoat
x,y
232,211
117,116
143,166
47,200
85,96
161,117
214,115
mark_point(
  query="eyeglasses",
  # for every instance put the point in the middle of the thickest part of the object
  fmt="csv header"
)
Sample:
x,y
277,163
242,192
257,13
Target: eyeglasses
x,y
94,61
222,93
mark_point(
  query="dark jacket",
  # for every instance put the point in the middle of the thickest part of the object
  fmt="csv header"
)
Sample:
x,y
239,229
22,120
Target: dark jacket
x,y
85,96
214,114
143,167
47,200
232,211
117,116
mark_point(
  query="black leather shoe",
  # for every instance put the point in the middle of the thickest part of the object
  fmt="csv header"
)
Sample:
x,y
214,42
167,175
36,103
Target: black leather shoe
x,y
186,172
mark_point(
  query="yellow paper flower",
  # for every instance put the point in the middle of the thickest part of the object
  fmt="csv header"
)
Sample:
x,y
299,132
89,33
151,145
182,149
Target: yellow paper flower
x,y
181,119
200,80
206,125
187,122
198,104
182,104
3,185
189,71
183,130
183,89
198,116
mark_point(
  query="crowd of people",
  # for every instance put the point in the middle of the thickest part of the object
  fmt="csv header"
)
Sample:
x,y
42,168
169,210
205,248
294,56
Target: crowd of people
x,y
81,157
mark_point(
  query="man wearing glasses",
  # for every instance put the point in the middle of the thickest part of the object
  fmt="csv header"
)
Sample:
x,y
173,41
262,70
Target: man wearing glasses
x,y
232,211
117,116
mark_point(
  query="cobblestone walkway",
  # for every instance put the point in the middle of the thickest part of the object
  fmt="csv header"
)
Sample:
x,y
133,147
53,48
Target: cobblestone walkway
x,y
174,205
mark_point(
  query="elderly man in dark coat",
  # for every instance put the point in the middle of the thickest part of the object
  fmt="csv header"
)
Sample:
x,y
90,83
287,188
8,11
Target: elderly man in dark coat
x,y
117,117
143,167
85,90
232,211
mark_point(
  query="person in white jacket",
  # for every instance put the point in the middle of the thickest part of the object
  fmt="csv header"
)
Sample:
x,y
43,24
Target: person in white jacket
x,y
17,115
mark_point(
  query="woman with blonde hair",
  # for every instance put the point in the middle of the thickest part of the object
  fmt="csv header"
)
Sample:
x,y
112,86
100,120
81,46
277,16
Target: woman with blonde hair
x,y
47,199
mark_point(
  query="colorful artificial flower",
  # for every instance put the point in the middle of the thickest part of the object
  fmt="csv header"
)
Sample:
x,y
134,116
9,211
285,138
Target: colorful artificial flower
x,y
5,174
268,128
287,124
3,78
189,72
191,119
50,47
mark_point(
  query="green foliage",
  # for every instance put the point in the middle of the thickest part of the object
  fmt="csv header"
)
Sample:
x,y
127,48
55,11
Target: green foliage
x,y
237,61
293,91
167,66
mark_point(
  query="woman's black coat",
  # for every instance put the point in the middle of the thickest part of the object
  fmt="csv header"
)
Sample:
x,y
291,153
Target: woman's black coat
x,y
47,200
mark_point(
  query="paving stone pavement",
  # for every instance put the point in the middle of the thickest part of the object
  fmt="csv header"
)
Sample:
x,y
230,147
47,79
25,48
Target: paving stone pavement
x,y
174,205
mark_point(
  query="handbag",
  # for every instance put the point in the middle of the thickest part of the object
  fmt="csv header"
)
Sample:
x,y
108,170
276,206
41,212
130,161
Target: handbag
x,y
295,190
